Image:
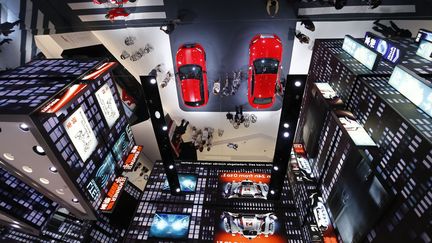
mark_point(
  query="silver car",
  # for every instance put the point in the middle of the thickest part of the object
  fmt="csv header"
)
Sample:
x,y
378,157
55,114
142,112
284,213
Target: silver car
x,y
246,189
249,226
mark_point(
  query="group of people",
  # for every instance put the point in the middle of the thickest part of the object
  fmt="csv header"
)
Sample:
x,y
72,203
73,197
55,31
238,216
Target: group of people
x,y
239,118
138,54
202,138
6,28
116,8
226,90
159,69
309,25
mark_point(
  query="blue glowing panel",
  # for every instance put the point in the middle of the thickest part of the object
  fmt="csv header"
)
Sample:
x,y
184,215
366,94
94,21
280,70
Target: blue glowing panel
x,y
121,147
102,178
361,53
413,87
388,50
187,183
424,35
425,50
171,226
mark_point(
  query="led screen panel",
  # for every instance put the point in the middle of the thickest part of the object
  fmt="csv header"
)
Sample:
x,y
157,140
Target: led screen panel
x,y
244,185
170,226
388,50
80,133
187,183
121,147
106,101
424,35
361,53
413,87
425,50
102,177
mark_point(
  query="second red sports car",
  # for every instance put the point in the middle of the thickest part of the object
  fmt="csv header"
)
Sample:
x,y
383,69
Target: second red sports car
x,y
265,58
192,74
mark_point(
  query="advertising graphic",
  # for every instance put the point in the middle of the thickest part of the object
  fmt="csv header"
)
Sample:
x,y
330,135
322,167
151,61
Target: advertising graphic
x,y
187,183
56,104
106,102
132,157
99,70
170,226
112,194
424,35
121,147
80,133
249,227
102,177
360,52
413,87
388,50
425,50
244,185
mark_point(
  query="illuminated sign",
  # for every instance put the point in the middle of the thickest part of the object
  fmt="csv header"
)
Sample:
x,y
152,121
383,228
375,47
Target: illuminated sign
x,y
132,157
425,50
361,53
388,50
356,132
304,165
113,193
107,104
418,90
99,70
326,90
424,35
102,177
298,148
80,133
56,104
321,216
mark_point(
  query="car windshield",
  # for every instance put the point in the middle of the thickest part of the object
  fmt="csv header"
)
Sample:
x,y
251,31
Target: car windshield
x,y
262,101
266,66
190,72
247,183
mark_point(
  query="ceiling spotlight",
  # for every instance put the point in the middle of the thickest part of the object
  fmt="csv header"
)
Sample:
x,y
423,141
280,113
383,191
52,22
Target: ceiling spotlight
x,y
9,156
157,114
171,167
27,169
15,226
60,191
286,134
44,181
75,200
39,150
272,192
275,168
297,83
53,169
286,125
178,189
153,81
24,127
164,128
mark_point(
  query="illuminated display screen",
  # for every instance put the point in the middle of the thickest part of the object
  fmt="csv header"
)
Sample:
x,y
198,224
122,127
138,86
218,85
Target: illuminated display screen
x,y
425,50
244,185
171,226
112,194
121,146
132,157
81,134
102,177
387,49
413,87
108,106
361,53
56,104
424,35
187,183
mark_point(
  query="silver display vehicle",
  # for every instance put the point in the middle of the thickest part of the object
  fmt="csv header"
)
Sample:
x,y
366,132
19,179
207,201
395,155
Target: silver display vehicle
x,y
246,189
249,226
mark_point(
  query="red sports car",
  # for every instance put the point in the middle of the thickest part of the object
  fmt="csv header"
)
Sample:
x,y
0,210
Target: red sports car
x,y
192,74
265,57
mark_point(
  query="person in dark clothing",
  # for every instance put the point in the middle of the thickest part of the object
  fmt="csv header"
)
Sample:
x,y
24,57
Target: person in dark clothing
x,y
7,27
229,116
182,128
304,39
400,32
393,31
272,7
308,24
239,118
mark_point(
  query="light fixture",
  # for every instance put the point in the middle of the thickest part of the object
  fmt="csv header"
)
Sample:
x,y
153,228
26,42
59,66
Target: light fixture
x,y
15,226
286,125
275,168
60,191
286,134
9,156
24,127
178,189
297,83
75,200
153,81
272,192
157,114
164,128
39,150
44,180
171,167
53,169
27,169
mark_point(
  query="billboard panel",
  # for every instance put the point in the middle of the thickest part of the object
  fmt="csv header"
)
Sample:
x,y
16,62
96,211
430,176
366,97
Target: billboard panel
x,y
170,226
244,185
107,103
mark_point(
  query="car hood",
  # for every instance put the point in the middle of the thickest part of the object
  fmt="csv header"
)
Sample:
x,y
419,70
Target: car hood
x,y
191,90
266,48
265,85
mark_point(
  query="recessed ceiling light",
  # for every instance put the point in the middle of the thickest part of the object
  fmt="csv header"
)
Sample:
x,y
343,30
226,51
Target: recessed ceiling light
x,y
286,125
9,156
15,226
297,83
24,127
164,128
286,134
39,150
53,169
275,168
178,190
60,191
153,81
157,114
75,200
171,167
272,192
27,169
44,181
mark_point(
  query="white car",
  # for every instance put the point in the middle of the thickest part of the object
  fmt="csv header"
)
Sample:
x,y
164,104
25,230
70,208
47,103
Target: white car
x,y
249,225
246,189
